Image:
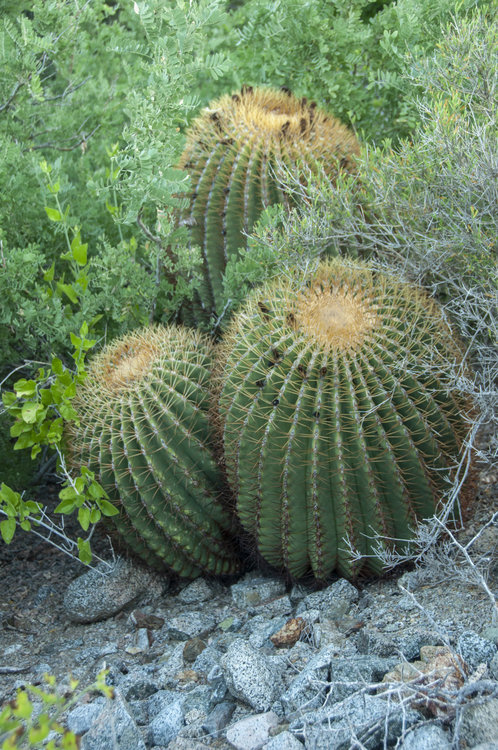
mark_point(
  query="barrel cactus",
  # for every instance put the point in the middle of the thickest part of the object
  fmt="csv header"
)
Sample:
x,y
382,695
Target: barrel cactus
x,y
234,154
339,425
144,431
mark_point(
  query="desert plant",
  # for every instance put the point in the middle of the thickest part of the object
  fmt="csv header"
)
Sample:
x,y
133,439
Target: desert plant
x,y
234,153
145,433
338,419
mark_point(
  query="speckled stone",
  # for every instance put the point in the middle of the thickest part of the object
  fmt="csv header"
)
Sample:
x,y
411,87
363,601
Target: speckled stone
x,y
104,591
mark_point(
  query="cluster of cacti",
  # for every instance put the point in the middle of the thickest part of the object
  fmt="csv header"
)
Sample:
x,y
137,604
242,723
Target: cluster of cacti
x,y
338,420
236,154
144,431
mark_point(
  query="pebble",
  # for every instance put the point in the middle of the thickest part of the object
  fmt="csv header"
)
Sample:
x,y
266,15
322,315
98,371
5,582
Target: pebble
x,y
283,741
248,676
218,718
254,590
115,727
430,737
252,733
480,723
195,592
475,650
165,726
104,591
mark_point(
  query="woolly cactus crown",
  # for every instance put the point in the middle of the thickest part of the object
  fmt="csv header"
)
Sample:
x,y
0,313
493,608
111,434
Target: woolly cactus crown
x,y
237,153
339,420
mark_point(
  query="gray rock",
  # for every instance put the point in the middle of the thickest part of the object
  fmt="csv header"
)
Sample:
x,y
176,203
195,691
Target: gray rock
x,y
491,634
166,725
252,733
138,684
217,683
260,628
158,702
101,592
219,718
190,624
493,667
307,690
139,711
115,727
276,607
426,737
248,676
486,746
370,641
209,658
475,650
283,741
254,590
348,675
365,717
198,699
333,602
81,718
195,592
172,665
480,723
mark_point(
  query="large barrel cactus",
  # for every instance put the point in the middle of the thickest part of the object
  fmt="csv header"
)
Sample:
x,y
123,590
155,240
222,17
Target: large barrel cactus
x,y
339,424
236,153
144,431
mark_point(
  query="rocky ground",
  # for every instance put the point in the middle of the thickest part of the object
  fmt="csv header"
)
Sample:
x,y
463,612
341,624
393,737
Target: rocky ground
x,y
408,661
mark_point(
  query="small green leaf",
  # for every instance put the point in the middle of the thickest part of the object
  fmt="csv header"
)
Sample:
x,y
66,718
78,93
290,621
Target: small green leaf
x,y
22,707
79,250
7,529
25,388
49,273
85,553
68,290
84,517
66,506
53,213
57,366
30,412
107,508
95,515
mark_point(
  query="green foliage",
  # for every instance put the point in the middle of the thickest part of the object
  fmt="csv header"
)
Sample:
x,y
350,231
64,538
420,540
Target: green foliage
x,y
143,429
236,153
350,56
340,426
22,726
40,407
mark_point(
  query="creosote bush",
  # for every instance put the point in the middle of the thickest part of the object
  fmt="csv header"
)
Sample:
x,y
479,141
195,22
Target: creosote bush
x,y
338,417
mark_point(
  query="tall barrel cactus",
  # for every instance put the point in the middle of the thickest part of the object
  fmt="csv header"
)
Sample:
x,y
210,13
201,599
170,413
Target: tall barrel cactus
x,y
338,420
144,431
235,153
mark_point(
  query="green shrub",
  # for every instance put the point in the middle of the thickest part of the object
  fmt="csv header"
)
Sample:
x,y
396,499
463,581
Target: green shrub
x,y
350,56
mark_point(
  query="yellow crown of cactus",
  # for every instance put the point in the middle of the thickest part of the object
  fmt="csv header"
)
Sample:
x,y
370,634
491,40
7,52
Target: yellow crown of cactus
x,y
237,153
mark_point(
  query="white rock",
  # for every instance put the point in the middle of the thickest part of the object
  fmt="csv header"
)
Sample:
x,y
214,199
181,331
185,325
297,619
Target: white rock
x,y
252,733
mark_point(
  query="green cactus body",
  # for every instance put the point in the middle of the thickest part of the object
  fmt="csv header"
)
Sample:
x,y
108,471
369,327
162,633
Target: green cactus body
x,y
144,431
235,153
338,421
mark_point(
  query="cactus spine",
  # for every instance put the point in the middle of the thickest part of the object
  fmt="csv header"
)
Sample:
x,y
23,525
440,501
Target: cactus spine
x,y
235,152
144,431
338,421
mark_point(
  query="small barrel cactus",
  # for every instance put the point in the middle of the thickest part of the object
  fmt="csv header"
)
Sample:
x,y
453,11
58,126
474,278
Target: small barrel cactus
x,y
340,427
235,153
144,431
